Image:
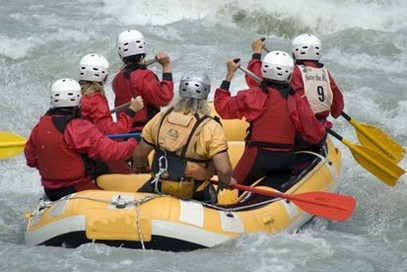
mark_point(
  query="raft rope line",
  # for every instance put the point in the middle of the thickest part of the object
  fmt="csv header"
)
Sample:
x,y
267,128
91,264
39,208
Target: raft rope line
x,y
139,202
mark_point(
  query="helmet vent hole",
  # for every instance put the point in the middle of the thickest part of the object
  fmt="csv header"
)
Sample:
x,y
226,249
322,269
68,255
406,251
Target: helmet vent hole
x,y
126,44
95,69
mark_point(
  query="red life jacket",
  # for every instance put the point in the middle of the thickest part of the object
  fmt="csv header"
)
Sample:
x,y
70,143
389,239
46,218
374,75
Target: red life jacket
x,y
273,129
56,163
124,92
304,120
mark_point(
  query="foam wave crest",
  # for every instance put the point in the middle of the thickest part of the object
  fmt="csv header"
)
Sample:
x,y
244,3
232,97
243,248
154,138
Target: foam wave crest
x,y
281,18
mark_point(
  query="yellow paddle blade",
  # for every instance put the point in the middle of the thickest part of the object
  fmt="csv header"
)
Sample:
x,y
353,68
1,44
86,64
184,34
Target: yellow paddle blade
x,y
11,144
376,139
377,164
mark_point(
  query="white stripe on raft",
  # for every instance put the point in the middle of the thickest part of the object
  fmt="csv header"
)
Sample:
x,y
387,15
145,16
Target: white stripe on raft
x,y
51,230
191,213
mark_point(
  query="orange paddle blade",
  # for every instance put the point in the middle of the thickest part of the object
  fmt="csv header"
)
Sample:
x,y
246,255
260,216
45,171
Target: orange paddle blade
x,y
329,205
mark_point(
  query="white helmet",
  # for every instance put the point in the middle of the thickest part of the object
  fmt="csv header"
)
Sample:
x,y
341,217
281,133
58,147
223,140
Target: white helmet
x,y
195,85
277,65
93,67
65,92
306,47
129,43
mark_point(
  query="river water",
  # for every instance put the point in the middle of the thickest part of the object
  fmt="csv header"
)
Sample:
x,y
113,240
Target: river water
x,y
364,46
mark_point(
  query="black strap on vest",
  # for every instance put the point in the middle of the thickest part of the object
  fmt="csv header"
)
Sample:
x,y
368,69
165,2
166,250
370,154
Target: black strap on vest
x,y
271,145
284,90
132,67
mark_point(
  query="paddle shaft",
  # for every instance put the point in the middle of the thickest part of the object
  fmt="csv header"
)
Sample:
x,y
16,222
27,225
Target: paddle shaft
x,y
249,73
14,144
127,104
124,136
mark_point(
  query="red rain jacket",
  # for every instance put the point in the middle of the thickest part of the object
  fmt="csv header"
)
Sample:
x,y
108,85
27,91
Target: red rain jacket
x,y
95,108
143,82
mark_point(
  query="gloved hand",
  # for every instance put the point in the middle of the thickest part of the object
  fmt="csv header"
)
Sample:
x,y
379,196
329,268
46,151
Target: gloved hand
x,y
227,184
329,124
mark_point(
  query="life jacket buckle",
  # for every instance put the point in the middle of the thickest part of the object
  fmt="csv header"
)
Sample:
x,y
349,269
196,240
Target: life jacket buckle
x,y
163,167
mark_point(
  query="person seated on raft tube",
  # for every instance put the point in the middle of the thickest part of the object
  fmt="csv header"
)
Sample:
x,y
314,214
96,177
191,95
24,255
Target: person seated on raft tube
x,y
65,148
134,79
270,140
189,146
93,72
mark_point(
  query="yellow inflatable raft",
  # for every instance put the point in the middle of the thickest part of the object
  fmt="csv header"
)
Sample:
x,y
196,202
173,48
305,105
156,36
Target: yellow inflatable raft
x,y
119,216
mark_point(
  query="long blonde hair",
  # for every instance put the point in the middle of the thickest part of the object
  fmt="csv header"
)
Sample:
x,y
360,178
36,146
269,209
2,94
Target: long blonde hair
x,y
188,105
91,87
